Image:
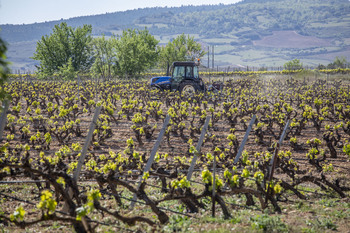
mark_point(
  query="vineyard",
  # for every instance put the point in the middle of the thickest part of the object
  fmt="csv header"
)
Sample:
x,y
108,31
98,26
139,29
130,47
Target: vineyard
x,y
115,155
239,73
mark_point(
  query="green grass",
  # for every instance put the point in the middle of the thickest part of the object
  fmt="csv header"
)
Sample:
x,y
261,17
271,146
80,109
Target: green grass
x,y
267,223
320,225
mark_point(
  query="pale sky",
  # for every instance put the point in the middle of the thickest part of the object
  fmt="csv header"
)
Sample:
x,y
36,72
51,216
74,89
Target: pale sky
x,y
31,11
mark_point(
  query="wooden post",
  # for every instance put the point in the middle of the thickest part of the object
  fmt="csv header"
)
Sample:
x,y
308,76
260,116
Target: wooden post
x,y
81,160
283,135
96,87
274,160
214,187
78,82
21,77
3,117
86,144
83,152
241,147
198,148
151,158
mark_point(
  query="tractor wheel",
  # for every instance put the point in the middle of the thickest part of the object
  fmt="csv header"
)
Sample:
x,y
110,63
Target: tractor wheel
x,y
188,88
155,88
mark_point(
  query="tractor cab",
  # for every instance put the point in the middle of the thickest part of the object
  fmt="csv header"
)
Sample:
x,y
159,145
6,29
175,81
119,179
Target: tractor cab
x,y
182,71
184,78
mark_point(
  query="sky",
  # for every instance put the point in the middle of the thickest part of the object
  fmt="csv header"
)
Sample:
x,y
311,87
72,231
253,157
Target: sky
x,y
31,11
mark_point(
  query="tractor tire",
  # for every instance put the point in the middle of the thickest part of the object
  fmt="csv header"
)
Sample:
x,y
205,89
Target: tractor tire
x,y
188,88
155,88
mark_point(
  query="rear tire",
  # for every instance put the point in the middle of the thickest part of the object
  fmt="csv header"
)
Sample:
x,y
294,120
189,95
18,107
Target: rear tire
x,y
188,89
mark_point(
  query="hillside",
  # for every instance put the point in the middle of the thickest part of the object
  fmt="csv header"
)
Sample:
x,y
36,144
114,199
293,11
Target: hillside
x,y
249,33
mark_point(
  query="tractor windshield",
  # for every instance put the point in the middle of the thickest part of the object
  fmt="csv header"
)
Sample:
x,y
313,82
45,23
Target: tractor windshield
x,y
179,72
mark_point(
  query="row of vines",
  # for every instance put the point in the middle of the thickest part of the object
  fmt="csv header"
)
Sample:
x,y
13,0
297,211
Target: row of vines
x,y
48,122
237,73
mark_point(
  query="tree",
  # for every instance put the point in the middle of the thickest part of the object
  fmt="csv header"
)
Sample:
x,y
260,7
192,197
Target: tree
x,y
67,70
3,68
293,65
182,48
321,67
64,43
339,62
105,54
136,52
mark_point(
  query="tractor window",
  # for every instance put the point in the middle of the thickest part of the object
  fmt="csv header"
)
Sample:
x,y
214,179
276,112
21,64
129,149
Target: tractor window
x,y
179,72
188,71
195,72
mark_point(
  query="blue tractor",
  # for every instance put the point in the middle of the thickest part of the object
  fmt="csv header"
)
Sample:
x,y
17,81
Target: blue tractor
x,y
184,78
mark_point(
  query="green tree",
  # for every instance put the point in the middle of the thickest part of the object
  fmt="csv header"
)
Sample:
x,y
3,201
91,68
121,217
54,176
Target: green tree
x,y
105,54
3,68
339,62
136,52
293,65
67,70
64,43
182,48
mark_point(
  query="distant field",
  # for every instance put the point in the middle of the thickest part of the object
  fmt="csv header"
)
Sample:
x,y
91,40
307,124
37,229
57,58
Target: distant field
x,y
219,40
329,56
19,56
291,39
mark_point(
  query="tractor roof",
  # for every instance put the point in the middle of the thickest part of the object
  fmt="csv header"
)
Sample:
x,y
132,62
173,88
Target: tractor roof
x,y
184,63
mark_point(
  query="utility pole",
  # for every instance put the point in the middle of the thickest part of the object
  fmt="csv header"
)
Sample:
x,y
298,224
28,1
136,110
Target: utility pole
x,y
208,57
213,57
